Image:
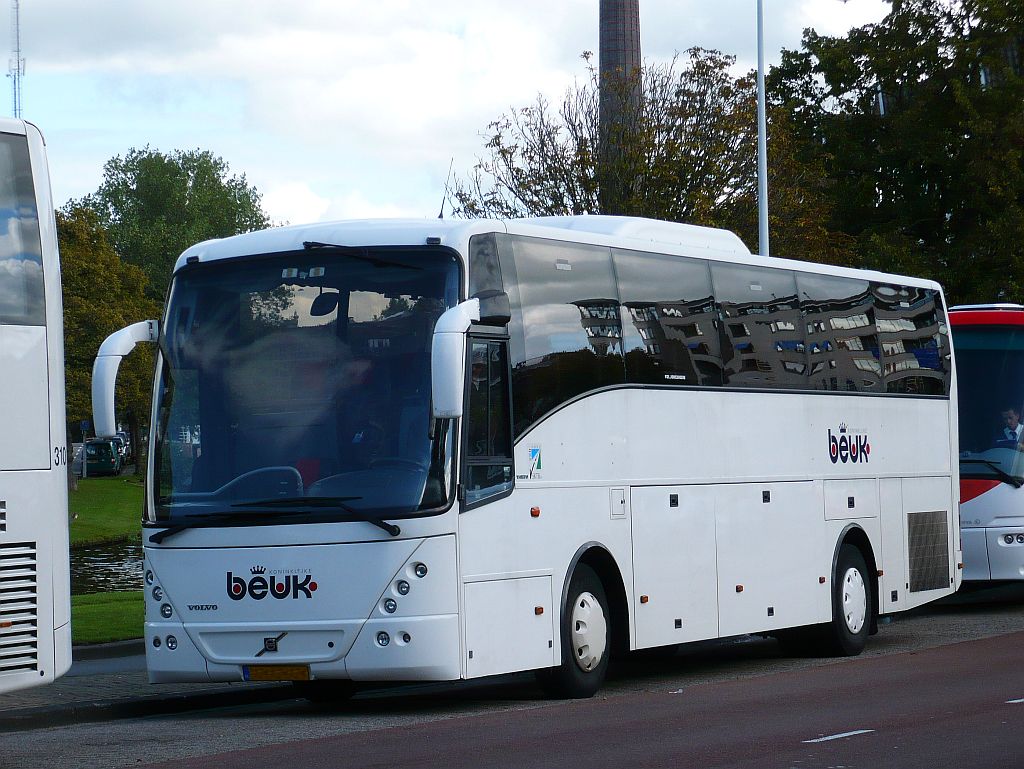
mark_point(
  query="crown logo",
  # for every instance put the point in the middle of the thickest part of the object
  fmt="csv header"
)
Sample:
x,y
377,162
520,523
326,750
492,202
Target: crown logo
x,y
842,427
258,570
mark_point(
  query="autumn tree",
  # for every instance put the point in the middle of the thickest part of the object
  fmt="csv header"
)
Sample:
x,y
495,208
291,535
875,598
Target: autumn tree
x,y
101,295
155,205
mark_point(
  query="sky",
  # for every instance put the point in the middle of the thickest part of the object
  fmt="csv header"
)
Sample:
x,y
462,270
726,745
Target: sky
x,y
335,109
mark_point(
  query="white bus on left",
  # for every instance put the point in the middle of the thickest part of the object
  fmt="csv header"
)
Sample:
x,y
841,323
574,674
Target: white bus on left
x,y
35,604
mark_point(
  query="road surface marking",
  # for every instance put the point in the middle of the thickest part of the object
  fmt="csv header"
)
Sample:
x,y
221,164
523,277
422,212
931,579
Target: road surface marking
x,y
839,736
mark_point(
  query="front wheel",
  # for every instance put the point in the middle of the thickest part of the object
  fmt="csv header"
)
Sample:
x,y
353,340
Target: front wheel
x,y
586,640
851,604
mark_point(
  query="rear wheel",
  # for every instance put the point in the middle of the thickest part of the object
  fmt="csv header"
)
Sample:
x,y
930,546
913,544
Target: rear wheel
x,y
586,640
851,604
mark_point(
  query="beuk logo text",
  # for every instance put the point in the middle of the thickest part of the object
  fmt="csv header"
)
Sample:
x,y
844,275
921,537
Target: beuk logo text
x,y
276,586
848,447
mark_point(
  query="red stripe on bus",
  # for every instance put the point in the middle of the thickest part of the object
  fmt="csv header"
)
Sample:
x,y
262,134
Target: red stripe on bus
x,y
975,487
987,318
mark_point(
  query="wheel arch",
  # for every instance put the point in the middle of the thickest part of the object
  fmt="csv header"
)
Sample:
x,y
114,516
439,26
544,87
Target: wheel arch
x,y
602,562
856,536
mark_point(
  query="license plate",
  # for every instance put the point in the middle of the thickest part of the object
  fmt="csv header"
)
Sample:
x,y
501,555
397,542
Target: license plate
x,y
275,672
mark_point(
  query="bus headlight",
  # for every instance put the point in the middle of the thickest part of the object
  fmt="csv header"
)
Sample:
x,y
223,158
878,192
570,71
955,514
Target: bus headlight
x,y
166,611
390,605
149,577
172,642
1020,539
402,587
420,570
1008,539
158,594
383,639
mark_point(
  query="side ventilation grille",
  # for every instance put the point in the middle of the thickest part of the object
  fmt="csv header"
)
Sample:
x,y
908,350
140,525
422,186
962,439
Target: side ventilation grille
x,y
18,608
929,551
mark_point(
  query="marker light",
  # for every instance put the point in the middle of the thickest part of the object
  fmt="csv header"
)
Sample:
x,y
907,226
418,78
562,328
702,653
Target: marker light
x,y
420,569
390,605
402,587
172,642
158,594
166,611
383,639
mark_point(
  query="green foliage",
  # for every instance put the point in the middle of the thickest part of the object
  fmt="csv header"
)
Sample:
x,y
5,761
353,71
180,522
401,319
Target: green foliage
x,y
101,295
155,205
919,121
105,510
106,617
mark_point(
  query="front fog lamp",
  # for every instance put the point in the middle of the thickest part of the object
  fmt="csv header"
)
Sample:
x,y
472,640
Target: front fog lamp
x,y
383,639
1008,539
166,611
402,587
390,605
420,569
149,577
172,642
158,594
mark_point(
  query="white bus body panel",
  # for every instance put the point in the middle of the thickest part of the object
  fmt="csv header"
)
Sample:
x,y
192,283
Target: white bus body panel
x,y
24,404
984,522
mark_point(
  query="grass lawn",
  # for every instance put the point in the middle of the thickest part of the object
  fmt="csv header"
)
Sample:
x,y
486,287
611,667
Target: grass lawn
x,y
105,510
103,617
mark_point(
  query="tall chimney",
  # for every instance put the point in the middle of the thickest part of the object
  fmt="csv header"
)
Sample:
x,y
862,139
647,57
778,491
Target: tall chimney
x,y
619,81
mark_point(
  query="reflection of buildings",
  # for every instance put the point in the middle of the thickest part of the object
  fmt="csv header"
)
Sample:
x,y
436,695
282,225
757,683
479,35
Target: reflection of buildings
x,y
763,344
679,339
914,344
842,343
601,322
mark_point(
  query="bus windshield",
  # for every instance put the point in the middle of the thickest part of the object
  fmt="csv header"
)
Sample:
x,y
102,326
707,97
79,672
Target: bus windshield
x,y
990,378
298,384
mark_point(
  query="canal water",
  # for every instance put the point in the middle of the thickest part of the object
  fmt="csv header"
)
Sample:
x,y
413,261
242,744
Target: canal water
x,y
114,566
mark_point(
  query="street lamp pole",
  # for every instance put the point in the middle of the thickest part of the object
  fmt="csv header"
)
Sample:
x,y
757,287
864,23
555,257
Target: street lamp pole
x,y
762,147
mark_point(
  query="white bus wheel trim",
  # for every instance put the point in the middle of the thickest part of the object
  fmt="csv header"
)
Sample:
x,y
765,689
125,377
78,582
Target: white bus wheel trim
x,y
589,630
855,600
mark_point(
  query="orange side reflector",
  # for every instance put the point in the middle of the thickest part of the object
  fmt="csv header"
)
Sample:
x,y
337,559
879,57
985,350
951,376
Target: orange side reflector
x,y
644,599
959,565
535,512
821,580
6,623
881,573
538,610
739,588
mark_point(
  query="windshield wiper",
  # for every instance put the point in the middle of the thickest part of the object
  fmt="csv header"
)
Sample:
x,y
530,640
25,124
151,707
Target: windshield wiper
x,y
1014,480
177,528
338,502
357,252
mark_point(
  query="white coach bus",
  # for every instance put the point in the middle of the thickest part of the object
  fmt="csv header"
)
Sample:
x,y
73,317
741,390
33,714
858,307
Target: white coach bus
x,y
35,604
433,450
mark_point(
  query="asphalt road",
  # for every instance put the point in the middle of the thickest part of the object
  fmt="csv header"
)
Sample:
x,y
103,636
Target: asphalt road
x,y
935,689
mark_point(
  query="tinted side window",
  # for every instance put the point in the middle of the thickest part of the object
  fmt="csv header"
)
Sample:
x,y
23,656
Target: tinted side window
x,y
566,330
669,329
841,335
21,261
488,443
761,331
914,340
484,270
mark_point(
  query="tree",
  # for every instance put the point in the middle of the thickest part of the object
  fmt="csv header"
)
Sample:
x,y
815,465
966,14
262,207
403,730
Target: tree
x,y
101,295
919,120
687,152
155,205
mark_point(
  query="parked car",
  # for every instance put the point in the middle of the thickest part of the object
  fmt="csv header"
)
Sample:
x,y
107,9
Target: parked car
x,y
122,447
102,457
127,444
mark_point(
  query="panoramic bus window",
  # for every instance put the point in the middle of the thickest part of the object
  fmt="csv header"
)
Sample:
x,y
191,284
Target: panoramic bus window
x,y
990,398
841,336
669,317
21,260
761,331
301,376
566,330
488,438
913,335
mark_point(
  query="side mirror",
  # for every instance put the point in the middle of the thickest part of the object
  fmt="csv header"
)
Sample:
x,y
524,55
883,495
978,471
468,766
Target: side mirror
x,y
104,370
448,359
495,308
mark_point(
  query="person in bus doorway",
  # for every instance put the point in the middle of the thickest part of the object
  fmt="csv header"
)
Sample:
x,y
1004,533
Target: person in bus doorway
x,y
1012,434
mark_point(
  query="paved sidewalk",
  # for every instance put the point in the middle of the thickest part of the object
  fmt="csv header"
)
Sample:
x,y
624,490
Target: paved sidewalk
x,y
109,681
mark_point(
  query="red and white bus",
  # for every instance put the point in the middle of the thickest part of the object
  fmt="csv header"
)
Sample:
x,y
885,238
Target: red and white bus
x,y
989,344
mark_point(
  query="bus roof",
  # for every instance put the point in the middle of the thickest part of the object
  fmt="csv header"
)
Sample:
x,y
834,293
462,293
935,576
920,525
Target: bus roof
x,y
629,233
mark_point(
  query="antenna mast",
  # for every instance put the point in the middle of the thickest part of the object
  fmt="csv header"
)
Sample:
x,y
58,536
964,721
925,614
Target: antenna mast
x,y
16,66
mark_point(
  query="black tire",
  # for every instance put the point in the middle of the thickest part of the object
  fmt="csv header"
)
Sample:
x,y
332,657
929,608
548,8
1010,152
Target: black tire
x,y
328,692
586,646
852,604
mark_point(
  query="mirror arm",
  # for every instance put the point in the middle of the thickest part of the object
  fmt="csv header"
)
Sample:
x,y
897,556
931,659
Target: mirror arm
x,y
104,371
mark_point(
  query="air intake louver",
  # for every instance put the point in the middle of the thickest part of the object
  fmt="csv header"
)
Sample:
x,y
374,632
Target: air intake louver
x,y
929,551
18,608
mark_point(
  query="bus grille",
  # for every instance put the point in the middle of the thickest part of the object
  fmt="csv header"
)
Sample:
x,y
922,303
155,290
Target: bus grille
x,y
929,551
18,608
